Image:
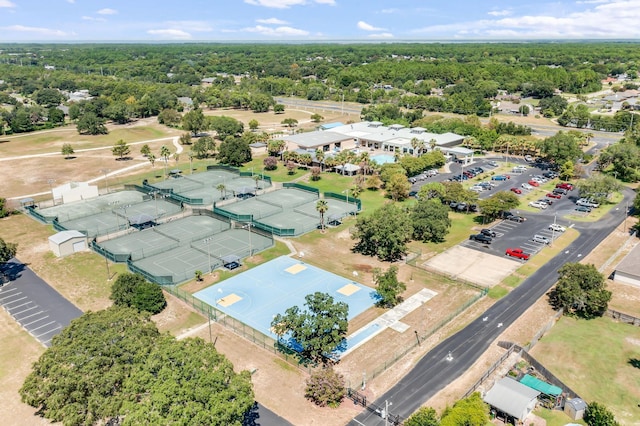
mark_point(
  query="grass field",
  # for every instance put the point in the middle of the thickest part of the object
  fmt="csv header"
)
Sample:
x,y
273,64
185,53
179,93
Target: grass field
x,y
598,359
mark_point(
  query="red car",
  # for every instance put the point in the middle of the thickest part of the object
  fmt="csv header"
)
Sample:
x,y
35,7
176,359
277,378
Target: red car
x,y
516,190
533,183
565,185
552,195
517,252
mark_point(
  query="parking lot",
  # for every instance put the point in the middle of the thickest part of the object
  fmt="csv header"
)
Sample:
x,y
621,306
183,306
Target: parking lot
x,y
513,234
35,305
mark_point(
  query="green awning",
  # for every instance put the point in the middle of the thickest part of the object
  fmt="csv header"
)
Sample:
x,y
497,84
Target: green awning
x,y
540,386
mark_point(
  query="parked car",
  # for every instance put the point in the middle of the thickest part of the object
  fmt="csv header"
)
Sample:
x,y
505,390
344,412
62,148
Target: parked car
x,y
557,228
583,209
527,186
546,201
561,191
534,183
587,203
515,218
517,252
550,175
516,190
552,195
565,185
538,205
488,232
540,239
477,188
493,163
481,238
500,177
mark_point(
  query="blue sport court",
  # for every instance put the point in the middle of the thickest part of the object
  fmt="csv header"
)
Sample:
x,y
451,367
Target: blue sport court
x,y
255,296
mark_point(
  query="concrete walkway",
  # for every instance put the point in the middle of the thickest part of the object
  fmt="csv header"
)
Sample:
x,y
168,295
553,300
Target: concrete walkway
x,y
391,319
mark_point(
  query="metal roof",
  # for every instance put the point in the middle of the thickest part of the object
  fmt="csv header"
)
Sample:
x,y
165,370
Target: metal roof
x,y
539,385
64,236
631,263
316,139
511,397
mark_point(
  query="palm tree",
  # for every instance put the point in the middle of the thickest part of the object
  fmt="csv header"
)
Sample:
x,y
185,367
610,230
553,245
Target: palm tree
x,y
320,158
152,159
256,178
223,189
165,153
322,206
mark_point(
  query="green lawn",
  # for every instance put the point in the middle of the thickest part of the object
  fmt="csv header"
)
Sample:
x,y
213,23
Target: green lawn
x,y
597,214
555,417
598,359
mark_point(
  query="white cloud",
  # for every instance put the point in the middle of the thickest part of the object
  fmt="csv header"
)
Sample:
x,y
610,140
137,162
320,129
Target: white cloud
x,y
36,30
368,27
7,3
91,18
613,19
390,10
499,13
107,11
278,31
194,26
271,21
285,4
381,36
170,33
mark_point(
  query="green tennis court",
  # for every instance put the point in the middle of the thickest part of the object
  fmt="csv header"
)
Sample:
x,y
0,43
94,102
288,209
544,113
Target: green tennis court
x,y
103,203
251,206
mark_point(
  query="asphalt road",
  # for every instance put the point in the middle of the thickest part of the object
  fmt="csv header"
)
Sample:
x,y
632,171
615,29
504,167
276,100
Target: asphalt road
x,y
436,370
261,416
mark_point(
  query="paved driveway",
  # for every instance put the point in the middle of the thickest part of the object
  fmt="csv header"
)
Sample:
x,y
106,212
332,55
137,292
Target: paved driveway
x,y
34,304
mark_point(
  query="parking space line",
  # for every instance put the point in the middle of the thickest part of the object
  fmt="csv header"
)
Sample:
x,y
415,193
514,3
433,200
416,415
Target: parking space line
x,y
13,301
11,295
25,310
44,325
16,307
39,319
29,316
50,330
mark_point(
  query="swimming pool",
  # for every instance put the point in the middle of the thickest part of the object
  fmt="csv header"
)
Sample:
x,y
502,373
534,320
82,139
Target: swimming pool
x,y
383,158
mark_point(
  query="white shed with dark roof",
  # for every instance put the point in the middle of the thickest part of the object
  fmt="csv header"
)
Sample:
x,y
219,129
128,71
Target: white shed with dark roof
x,y
628,271
68,242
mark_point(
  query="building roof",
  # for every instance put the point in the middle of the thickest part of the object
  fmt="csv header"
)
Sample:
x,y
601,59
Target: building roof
x,y
316,139
330,125
630,265
577,404
539,385
64,236
510,396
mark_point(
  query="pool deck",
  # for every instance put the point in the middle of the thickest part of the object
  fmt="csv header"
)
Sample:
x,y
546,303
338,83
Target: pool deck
x,y
390,319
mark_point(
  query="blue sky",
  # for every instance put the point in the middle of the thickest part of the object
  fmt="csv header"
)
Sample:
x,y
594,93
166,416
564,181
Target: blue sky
x,y
287,20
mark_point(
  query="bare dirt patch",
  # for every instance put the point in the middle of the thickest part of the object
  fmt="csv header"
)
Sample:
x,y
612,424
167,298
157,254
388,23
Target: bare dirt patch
x,y
484,269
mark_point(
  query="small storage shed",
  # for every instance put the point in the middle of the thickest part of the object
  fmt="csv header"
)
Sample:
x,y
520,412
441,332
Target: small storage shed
x,y
574,408
628,271
67,242
512,398
552,395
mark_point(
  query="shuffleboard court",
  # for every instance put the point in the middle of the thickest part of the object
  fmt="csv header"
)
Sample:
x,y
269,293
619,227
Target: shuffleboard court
x,y
255,296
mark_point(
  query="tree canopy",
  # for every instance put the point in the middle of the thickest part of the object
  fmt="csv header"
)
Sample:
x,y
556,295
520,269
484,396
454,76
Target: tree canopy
x,y
598,414
388,286
581,291
133,290
471,411
425,416
316,331
430,220
384,233
7,251
499,202
120,149
115,364
234,151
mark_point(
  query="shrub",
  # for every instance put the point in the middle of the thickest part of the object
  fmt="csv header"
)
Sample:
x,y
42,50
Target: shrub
x,y
270,163
325,388
134,291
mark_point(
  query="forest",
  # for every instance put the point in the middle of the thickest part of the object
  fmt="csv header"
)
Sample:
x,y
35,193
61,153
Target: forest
x,y
121,82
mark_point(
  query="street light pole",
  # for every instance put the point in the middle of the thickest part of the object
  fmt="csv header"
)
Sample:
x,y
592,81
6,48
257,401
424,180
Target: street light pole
x,y
248,226
50,182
